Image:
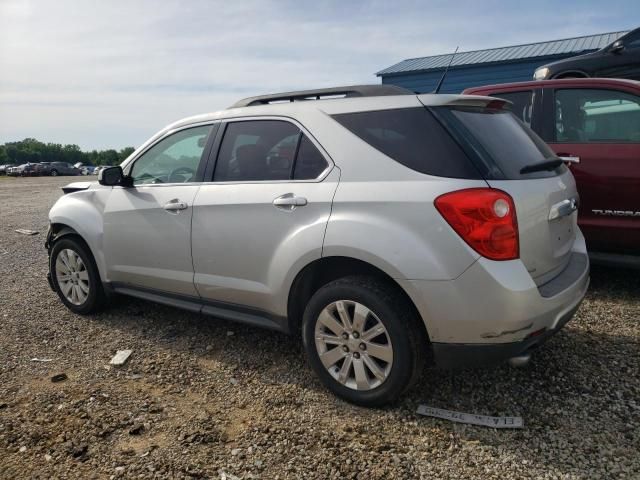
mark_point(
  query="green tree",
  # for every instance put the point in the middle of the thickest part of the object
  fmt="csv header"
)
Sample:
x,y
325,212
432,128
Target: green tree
x,y
125,152
32,150
4,158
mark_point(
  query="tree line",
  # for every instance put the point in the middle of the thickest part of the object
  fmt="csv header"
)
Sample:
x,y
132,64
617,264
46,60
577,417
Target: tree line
x,y
31,150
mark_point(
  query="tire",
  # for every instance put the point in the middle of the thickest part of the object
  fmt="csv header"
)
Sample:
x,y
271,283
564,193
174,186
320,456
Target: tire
x,y
88,295
403,333
54,173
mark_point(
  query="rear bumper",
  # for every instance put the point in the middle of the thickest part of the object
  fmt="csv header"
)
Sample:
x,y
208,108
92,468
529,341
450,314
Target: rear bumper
x,y
460,355
494,310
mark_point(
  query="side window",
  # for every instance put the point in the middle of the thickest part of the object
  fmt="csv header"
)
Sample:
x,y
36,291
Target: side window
x,y
412,137
596,116
257,150
174,159
522,103
310,163
632,40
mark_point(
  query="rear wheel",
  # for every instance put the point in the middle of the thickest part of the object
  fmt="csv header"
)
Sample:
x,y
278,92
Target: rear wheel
x,y
363,340
75,276
54,173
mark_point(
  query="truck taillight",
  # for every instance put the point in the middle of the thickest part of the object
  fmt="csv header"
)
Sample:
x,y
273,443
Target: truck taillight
x,y
485,218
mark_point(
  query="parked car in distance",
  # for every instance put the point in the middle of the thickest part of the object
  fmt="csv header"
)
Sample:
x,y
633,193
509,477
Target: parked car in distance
x,y
87,170
24,170
3,169
400,225
594,125
43,168
63,168
620,59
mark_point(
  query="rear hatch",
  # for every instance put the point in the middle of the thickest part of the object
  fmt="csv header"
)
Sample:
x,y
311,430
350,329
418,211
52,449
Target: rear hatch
x,y
545,195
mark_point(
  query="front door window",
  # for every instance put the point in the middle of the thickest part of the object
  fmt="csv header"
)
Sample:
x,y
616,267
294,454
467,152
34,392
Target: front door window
x,y
175,159
596,116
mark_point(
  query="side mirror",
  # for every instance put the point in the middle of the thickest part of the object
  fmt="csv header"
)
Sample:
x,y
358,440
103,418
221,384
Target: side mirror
x,y
616,47
113,176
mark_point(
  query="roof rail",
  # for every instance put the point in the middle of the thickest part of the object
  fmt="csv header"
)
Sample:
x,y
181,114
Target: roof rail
x,y
324,93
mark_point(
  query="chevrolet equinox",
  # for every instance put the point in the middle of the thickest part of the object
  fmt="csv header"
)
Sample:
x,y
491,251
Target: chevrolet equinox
x,y
382,226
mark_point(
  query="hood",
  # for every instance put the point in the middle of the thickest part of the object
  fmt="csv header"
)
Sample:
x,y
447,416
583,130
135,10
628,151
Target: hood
x,y
568,62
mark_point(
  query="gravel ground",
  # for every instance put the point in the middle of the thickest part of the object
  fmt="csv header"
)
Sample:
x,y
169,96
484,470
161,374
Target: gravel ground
x,y
205,398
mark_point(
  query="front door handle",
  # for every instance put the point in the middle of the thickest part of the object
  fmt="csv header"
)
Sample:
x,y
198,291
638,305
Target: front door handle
x,y
289,201
175,206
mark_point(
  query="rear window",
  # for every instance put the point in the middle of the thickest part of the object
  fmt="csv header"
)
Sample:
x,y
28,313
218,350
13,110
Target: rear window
x,y
499,142
412,137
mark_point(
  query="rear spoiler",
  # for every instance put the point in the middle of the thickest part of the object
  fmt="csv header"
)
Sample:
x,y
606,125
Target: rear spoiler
x,y
433,100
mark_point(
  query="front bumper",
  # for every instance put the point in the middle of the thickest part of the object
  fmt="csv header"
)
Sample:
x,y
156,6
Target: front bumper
x,y
47,245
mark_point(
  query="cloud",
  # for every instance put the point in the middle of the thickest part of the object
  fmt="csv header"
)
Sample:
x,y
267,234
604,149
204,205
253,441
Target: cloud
x,y
109,74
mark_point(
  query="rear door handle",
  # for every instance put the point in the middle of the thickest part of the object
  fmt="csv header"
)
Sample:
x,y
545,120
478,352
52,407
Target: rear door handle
x,y
175,206
569,158
289,201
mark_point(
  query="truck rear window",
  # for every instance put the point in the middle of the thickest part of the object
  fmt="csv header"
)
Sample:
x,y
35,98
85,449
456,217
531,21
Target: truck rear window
x,y
412,137
500,143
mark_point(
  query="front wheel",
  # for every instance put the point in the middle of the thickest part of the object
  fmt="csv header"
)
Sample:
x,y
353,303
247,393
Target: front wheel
x,y
363,340
54,173
75,276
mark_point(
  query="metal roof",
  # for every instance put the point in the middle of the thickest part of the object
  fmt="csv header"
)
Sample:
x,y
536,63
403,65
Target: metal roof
x,y
504,54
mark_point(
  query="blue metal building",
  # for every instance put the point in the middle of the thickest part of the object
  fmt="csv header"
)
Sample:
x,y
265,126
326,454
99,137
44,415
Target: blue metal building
x,y
484,67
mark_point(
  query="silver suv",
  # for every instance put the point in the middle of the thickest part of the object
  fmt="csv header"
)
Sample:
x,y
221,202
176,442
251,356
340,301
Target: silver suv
x,y
384,227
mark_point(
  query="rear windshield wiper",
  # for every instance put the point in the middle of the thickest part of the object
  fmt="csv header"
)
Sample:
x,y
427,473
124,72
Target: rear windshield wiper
x,y
546,165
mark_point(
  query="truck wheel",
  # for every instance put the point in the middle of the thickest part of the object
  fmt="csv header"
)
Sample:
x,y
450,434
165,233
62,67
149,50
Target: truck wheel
x,y
75,276
363,340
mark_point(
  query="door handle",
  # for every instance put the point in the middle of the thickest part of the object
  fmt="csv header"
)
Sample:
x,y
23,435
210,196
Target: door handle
x,y
288,201
175,206
569,158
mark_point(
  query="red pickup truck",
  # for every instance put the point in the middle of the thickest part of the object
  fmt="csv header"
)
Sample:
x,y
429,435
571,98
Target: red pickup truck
x,y
594,125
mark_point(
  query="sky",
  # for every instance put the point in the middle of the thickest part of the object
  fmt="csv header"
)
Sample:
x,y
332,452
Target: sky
x,y
109,74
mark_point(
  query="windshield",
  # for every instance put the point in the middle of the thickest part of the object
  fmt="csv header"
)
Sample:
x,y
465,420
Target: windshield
x,y
501,144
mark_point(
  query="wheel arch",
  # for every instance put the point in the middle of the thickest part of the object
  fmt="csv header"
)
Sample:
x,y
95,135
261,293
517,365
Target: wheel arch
x,y
60,229
327,269
571,74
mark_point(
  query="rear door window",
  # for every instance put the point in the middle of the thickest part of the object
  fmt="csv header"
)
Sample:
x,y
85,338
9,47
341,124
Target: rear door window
x,y
267,150
412,137
257,151
309,163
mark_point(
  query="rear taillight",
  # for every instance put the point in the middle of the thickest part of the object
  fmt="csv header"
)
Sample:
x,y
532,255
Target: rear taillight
x,y
485,218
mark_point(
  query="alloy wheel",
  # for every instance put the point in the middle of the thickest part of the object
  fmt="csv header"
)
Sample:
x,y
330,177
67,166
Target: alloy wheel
x,y
353,345
72,276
